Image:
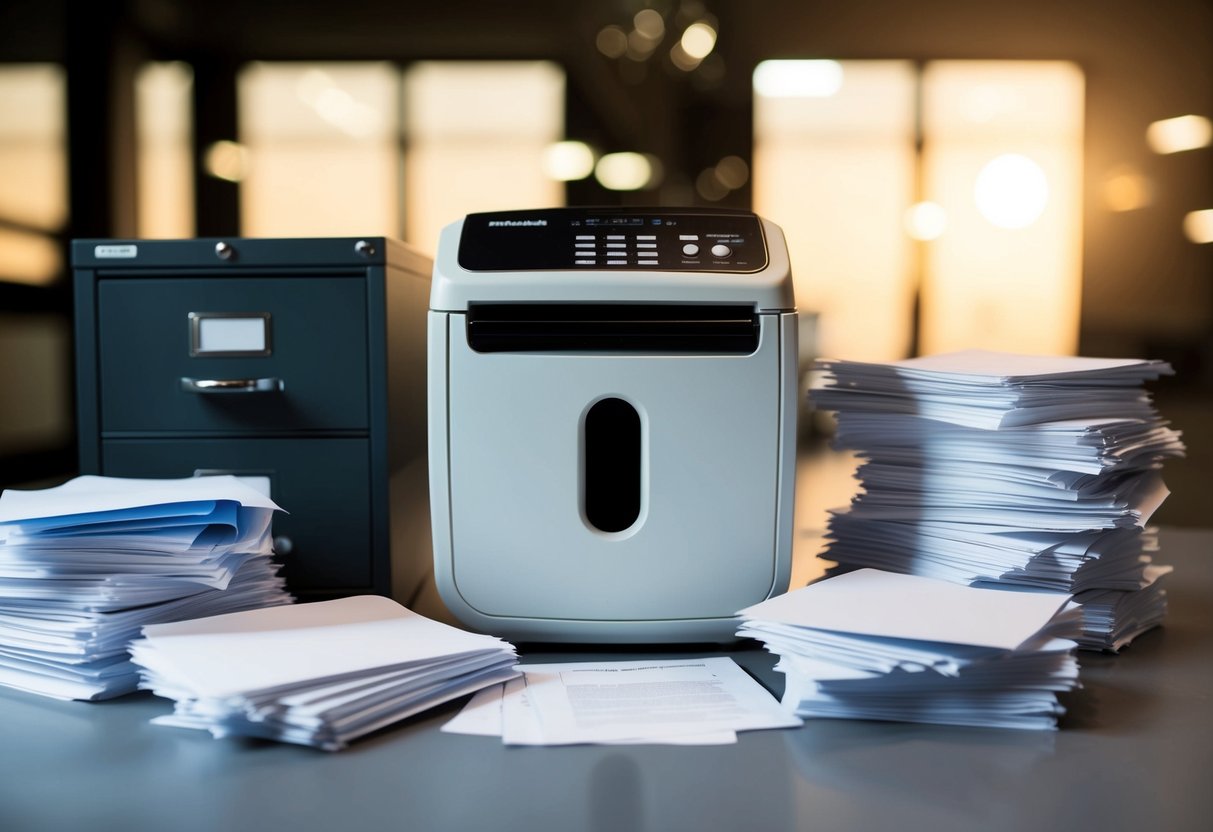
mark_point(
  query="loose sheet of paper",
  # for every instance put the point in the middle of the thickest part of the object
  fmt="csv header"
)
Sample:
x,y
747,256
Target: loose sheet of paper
x,y
1003,365
679,701
87,496
481,716
891,605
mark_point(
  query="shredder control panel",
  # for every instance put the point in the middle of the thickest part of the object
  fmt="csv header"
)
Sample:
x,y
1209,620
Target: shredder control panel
x,y
594,239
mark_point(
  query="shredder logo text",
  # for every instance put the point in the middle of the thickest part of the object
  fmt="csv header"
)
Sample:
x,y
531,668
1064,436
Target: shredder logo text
x,y
515,223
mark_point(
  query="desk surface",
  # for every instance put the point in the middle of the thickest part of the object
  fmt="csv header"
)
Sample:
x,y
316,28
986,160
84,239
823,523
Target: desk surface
x,y
1135,752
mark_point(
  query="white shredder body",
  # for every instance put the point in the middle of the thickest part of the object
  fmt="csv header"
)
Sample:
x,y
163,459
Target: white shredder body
x,y
612,447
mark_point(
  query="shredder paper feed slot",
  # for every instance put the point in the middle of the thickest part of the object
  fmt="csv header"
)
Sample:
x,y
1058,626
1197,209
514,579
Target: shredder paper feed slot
x,y
527,327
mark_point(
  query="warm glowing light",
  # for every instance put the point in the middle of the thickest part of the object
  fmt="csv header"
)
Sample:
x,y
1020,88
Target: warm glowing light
x,y
33,155
318,90
625,171
729,174
983,103
312,84
28,258
477,135
342,110
567,161
649,24
708,186
165,161
982,286
835,174
839,173
698,40
797,79
732,172
680,58
1126,189
926,220
1172,135
1011,191
640,45
1198,226
612,41
226,160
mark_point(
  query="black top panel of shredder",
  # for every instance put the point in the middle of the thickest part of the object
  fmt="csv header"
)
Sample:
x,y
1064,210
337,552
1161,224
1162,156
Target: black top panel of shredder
x,y
593,239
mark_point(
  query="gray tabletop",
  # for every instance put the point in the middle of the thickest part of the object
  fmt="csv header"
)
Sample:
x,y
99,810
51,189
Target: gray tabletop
x,y
1135,752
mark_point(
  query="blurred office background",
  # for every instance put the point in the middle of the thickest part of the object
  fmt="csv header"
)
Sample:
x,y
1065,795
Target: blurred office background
x,y
1033,176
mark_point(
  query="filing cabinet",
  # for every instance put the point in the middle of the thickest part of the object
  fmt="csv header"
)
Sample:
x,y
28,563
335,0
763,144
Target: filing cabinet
x,y
296,363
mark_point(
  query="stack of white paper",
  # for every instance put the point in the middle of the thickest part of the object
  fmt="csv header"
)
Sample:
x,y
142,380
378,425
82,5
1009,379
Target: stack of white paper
x,y
1112,618
887,646
992,467
85,565
316,674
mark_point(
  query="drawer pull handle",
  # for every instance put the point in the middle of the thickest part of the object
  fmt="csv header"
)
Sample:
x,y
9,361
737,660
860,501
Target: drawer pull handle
x,y
232,385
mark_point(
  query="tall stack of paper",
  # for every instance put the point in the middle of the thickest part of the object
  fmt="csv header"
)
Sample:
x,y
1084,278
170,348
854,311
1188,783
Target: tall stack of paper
x,y
880,645
992,467
85,565
316,674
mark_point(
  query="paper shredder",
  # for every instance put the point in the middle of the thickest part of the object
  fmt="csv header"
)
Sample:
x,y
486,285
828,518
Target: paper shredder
x,y
612,407
296,363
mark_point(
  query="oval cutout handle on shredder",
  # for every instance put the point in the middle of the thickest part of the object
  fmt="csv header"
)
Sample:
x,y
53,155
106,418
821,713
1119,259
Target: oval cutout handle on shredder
x,y
612,465
209,386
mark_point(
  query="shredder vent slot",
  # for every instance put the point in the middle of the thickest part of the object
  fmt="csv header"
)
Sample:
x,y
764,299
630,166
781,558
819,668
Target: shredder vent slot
x,y
696,328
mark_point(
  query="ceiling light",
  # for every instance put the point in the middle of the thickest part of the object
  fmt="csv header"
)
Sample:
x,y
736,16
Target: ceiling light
x,y
1011,191
698,40
625,171
1172,135
797,79
567,161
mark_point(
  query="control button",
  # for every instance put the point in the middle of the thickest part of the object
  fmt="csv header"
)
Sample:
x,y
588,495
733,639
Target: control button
x,y
617,262
584,262
646,236
585,236
646,262
646,245
688,236
690,249
721,250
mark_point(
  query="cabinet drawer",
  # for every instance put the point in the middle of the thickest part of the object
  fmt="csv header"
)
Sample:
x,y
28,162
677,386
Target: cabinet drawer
x,y
304,335
322,484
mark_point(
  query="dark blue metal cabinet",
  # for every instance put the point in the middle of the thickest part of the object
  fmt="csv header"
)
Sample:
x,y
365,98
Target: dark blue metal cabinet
x,y
298,360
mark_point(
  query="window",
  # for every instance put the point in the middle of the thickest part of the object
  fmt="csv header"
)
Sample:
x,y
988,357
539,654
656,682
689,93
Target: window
x,y
165,167
1002,156
833,165
927,207
319,150
365,148
33,173
35,334
476,133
